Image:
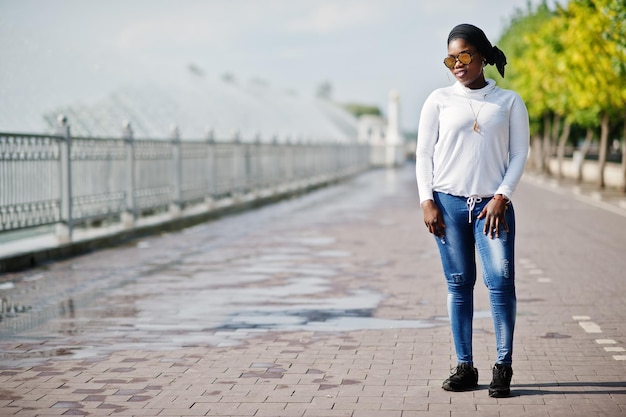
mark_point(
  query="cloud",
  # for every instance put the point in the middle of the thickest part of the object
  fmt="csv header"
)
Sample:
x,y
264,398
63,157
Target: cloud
x,y
163,33
198,24
171,31
232,25
332,17
220,23
442,7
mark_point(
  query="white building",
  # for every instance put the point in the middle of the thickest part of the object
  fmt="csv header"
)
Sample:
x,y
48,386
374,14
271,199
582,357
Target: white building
x,y
384,135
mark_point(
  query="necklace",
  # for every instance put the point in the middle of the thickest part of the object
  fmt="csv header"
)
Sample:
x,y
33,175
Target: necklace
x,y
475,126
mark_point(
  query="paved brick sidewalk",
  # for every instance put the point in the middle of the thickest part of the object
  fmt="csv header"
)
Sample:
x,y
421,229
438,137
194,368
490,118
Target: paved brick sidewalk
x,y
209,321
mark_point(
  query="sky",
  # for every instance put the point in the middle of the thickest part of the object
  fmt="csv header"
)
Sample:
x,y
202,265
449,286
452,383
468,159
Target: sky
x,y
62,52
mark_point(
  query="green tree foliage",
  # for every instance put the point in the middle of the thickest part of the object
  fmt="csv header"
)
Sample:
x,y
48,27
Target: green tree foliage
x,y
362,109
594,81
615,12
523,60
569,65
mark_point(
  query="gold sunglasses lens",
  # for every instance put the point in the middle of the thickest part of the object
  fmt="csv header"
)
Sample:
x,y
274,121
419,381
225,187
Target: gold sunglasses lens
x,y
465,58
449,61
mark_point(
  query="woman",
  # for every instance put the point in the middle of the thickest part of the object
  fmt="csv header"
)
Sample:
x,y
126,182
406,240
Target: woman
x,y
471,151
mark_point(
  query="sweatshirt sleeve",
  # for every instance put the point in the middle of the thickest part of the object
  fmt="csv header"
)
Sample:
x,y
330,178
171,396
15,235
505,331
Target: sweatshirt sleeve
x,y
427,136
519,138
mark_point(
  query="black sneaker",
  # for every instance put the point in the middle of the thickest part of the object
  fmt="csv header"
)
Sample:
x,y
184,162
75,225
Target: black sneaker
x,y
465,377
501,383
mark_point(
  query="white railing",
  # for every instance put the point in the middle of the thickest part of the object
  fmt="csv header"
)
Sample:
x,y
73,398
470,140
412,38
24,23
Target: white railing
x,y
71,181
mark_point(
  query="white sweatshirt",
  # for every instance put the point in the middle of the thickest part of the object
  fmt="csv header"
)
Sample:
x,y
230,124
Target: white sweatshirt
x,y
454,159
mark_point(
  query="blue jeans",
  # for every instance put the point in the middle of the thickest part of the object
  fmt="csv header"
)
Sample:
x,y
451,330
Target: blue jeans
x,y
458,258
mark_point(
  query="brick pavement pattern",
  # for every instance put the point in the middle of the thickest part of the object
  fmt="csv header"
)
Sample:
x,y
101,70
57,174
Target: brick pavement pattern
x,y
363,238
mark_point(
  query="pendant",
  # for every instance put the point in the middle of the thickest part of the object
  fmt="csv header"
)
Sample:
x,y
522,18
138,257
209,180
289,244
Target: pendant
x,y
475,127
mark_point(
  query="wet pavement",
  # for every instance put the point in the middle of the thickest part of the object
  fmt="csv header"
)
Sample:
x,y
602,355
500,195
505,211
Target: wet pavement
x,y
328,304
219,283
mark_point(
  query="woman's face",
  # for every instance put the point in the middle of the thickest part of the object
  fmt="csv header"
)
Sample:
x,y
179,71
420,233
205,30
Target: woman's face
x,y
470,75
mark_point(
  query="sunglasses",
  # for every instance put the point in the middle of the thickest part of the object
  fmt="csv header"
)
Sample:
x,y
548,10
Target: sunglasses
x,y
464,58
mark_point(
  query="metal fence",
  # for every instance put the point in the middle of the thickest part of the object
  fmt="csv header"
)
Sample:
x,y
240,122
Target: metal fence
x,y
71,181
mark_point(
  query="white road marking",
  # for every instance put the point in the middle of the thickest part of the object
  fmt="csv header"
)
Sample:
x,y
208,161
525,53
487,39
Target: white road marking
x,y
590,327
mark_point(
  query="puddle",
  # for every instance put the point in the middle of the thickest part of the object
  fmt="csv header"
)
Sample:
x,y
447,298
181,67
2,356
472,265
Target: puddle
x,y
155,314
314,241
273,257
41,353
276,269
555,335
320,321
333,254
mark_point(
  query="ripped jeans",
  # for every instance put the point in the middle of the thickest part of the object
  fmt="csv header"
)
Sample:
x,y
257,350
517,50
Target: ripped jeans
x,y
458,258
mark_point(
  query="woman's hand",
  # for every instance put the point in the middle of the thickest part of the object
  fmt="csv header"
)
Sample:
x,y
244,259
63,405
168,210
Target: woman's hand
x,y
433,219
493,213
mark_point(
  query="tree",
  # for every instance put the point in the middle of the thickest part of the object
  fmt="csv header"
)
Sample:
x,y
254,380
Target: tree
x,y
615,10
595,63
359,110
525,70
569,65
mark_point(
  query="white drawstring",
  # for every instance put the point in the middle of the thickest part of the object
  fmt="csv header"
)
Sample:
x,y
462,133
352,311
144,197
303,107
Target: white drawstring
x,y
471,203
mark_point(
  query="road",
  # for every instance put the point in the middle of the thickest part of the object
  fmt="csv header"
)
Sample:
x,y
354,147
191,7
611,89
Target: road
x,y
328,304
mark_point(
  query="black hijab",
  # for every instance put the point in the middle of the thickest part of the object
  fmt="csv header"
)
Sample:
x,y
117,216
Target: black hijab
x,y
475,36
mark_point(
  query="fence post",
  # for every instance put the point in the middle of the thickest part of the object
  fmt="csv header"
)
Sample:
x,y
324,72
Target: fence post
x,y
177,192
211,170
129,214
238,166
257,176
277,161
290,166
65,228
